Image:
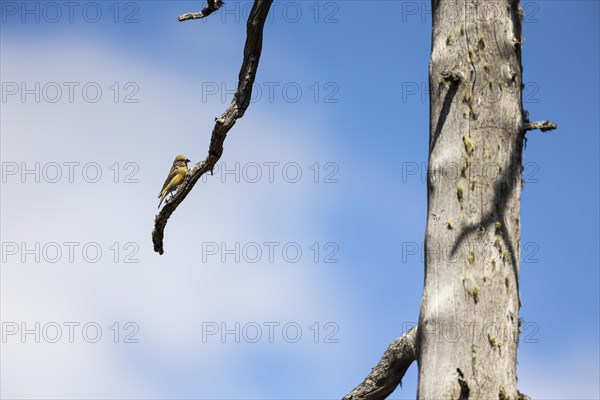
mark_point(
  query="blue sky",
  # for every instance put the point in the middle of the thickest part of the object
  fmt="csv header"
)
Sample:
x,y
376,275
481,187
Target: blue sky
x,y
348,111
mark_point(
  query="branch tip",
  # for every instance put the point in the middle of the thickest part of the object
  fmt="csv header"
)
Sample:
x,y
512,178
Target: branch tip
x,y
540,125
211,6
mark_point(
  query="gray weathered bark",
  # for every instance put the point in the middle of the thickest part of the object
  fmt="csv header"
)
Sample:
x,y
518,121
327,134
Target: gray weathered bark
x,y
469,320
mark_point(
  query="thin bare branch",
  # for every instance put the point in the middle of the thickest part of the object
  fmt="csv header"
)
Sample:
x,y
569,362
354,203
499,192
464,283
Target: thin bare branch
x,y
211,6
236,110
388,373
541,125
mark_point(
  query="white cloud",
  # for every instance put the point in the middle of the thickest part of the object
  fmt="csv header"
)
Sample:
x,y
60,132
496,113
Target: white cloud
x,y
169,297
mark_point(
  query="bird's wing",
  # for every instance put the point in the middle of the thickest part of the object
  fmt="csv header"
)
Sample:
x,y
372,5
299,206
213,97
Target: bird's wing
x,y
171,175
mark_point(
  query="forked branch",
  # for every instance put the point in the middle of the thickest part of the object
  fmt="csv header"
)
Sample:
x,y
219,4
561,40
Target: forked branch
x,y
237,108
390,370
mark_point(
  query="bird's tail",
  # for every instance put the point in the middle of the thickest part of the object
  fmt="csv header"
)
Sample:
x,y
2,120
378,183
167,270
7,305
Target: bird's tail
x,y
161,196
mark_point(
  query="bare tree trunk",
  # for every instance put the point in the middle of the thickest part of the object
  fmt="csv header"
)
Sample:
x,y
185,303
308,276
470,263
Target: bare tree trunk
x,y
469,319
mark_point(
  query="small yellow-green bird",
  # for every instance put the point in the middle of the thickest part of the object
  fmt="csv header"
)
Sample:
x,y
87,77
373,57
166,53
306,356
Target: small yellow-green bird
x,y
175,178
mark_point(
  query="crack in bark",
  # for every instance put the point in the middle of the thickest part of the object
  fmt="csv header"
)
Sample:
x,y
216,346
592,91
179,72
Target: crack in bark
x,y
388,372
236,110
470,56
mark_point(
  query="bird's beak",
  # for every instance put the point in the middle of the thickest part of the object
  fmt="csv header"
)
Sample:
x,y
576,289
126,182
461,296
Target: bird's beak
x,y
187,161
